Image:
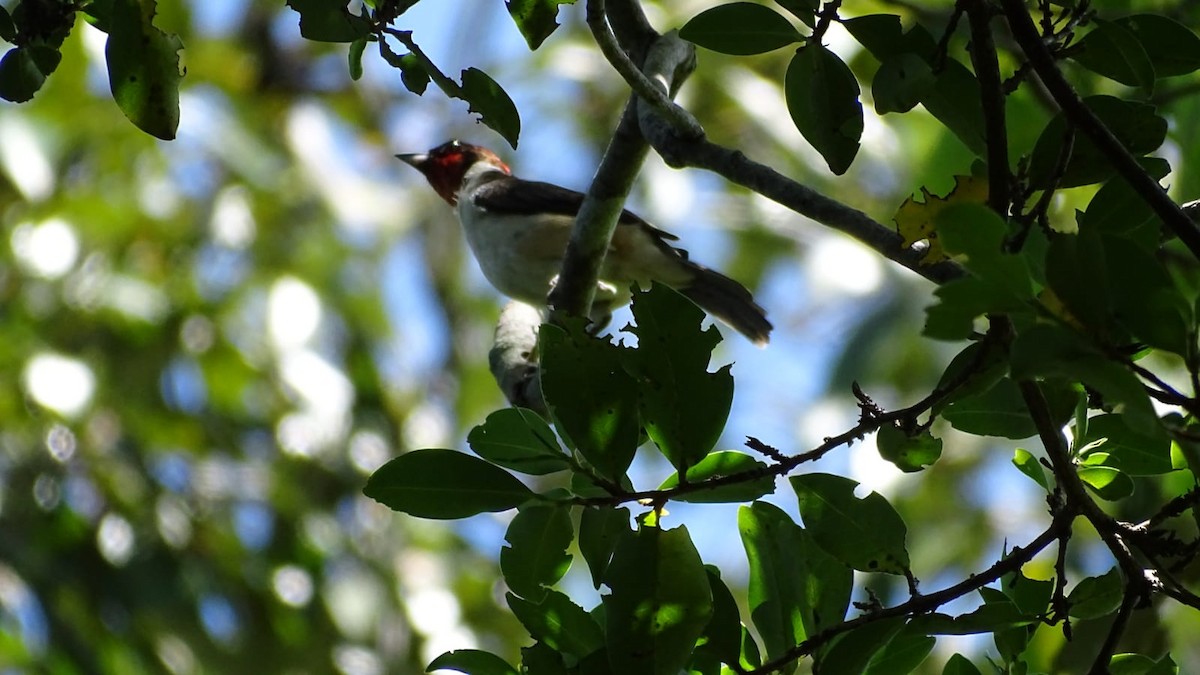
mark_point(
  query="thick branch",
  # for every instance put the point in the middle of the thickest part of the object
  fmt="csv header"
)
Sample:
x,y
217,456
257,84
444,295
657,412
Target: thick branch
x,y
987,70
1078,114
735,167
513,358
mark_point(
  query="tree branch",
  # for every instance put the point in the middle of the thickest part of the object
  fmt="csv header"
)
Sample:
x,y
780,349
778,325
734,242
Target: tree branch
x,y
987,71
1078,114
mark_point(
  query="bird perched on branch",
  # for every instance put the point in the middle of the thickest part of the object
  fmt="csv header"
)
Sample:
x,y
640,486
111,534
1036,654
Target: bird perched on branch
x,y
518,230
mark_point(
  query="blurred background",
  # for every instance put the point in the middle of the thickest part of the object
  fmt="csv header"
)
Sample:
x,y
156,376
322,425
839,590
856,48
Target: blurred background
x,y
206,345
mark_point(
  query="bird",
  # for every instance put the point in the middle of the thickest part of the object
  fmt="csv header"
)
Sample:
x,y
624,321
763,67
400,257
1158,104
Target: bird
x,y
518,231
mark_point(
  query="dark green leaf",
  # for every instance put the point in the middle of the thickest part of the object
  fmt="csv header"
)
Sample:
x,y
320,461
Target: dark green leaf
x,y
1108,483
805,10
1133,452
955,102
880,34
518,439
683,406
355,55
472,662
902,654
1113,51
977,234
99,14
329,21
1118,209
1031,596
591,397
8,32
536,555
143,68
1049,351
960,665
989,618
962,300
1145,300
796,589
851,652
541,659
1135,125
487,99
822,97
600,530
866,534
559,623
908,453
1001,411
1077,273
724,463
980,370
444,484
901,82
23,71
1172,47
660,602
1095,597
723,634
536,19
740,28
1030,466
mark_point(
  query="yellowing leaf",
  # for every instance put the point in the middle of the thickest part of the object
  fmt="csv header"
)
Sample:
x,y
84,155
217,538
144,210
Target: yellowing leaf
x,y
914,219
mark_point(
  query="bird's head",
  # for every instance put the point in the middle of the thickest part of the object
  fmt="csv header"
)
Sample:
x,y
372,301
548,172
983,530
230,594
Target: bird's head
x,y
446,165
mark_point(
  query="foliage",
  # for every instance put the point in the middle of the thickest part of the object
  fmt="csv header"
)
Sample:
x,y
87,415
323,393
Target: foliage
x,y
1060,262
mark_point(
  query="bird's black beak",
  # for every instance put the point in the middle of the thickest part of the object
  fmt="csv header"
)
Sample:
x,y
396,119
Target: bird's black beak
x,y
416,159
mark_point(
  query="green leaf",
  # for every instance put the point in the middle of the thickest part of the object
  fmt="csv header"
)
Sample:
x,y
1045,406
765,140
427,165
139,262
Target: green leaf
x,y
1027,464
143,68
591,396
883,36
660,603
1095,597
991,617
822,97
1140,664
1108,483
683,406
805,10
796,589
559,623
955,102
740,28
985,371
444,484
902,654
24,70
962,300
412,71
724,463
536,555
1001,411
976,234
1134,453
1077,273
8,31
1173,48
542,659
329,21
355,55
472,662
536,19
600,530
1050,351
866,534
909,453
495,109
1145,300
518,439
960,665
723,634
1118,209
851,652
901,82
1135,125
1113,51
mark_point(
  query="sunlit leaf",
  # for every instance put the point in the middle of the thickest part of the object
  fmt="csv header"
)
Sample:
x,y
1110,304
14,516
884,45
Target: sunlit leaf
x,y
724,463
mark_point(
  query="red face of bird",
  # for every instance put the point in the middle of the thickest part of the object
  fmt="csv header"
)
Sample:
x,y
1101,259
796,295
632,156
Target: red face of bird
x,y
445,165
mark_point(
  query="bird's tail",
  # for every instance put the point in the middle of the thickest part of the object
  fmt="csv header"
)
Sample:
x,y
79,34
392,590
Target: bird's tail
x,y
729,301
